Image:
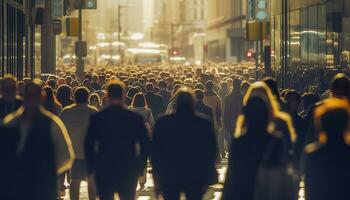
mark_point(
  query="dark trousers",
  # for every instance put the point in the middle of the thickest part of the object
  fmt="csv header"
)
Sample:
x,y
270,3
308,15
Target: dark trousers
x,y
191,193
125,194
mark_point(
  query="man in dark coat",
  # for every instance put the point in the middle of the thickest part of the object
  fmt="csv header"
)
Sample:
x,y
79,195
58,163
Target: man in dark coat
x,y
44,149
327,161
155,101
122,150
164,92
8,101
184,152
201,108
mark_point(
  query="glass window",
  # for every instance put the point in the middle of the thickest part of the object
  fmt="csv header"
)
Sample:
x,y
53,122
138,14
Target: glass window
x,y
322,34
278,41
294,37
313,34
304,35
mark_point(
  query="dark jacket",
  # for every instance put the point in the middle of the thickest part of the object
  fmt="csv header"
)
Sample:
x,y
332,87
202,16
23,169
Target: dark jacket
x,y
166,95
35,175
204,110
117,164
184,151
246,156
8,107
327,174
232,108
155,103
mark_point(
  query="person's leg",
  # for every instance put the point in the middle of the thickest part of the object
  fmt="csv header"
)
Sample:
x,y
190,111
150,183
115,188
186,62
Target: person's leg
x,y
171,194
195,193
106,195
74,189
91,189
143,179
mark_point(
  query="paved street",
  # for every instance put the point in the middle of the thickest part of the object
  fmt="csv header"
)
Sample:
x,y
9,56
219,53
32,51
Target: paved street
x,y
214,192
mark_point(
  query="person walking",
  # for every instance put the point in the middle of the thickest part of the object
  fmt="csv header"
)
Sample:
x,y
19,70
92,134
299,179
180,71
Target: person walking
x,y
9,102
123,146
44,147
155,101
76,118
184,151
327,160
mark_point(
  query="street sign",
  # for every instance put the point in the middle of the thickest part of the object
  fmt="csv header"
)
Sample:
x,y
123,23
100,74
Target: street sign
x,y
72,27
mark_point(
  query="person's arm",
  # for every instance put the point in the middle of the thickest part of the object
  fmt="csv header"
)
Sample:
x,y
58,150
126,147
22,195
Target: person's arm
x,y
144,142
150,119
90,144
62,145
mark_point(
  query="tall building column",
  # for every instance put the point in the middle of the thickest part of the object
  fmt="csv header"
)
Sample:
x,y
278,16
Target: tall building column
x,y
48,42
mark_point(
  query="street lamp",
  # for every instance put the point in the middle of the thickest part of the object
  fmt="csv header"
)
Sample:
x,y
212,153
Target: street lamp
x,y
120,7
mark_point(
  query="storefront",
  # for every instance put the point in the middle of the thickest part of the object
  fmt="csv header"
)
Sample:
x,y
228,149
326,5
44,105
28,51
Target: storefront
x,y
318,35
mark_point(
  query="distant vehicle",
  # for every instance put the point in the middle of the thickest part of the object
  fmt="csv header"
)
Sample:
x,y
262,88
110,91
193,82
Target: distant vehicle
x,y
143,56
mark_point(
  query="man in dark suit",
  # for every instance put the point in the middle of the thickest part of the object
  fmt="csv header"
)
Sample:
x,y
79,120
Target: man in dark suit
x,y
155,101
122,141
184,151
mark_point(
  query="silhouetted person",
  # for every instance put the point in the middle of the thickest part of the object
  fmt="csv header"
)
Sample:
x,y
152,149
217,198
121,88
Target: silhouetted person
x,y
44,147
340,86
201,108
164,92
9,102
51,104
64,95
232,108
155,101
76,118
250,151
116,131
327,161
293,100
184,152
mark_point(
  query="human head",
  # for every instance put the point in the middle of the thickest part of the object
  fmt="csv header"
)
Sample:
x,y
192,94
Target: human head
x,y
209,85
199,94
332,119
9,87
33,95
236,83
115,90
132,92
185,100
293,100
149,87
94,100
340,86
64,93
81,95
256,122
139,100
271,83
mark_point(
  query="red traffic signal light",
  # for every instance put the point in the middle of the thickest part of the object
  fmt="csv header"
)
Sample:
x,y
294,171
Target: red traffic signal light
x,y
249,54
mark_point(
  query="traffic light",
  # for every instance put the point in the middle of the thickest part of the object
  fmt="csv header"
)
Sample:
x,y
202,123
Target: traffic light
x,y
57,8
90,4
249,54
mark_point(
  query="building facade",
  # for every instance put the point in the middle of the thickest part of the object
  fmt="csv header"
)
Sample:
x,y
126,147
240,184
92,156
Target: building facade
x,y
318,35
226,30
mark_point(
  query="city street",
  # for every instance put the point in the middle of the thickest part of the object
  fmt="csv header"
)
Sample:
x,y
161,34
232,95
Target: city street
x,y
214,192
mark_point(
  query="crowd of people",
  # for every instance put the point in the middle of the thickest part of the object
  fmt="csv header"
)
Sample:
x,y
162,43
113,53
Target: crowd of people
x,y
108,126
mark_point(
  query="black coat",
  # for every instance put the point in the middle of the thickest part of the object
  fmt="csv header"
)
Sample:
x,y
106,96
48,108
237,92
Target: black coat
x,y
8,107
246,156
232,108
327,172
155,103
184,151
117,132
204,110
35,176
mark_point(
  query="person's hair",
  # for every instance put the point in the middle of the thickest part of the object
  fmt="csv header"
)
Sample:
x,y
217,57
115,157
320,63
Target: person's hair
x,y
132,92
236,83
271,83
256,122
115,89
94,95
293,95
199,94
149,87
33,88
139,100
52,83
209,85
332,118
64,93
162,84
340,85
185,99
81,95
